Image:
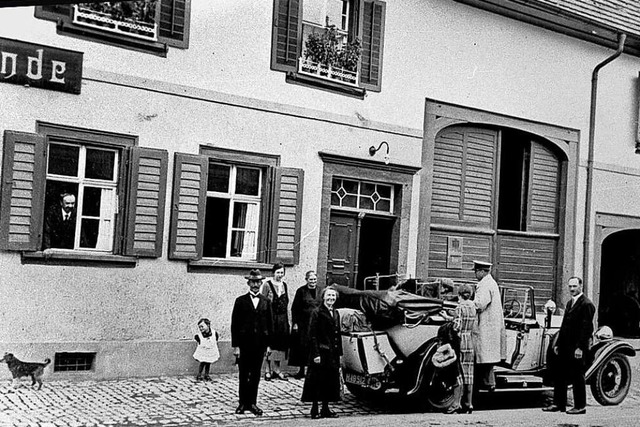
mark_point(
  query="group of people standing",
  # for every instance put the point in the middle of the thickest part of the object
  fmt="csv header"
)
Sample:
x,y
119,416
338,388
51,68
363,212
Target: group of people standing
x,y
480,342
480,335
261,335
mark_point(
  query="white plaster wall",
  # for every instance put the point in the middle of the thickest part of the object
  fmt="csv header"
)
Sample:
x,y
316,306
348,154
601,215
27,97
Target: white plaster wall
x,y
437,49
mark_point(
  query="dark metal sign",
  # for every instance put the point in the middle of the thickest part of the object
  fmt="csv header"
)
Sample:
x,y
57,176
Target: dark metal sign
x,y
36,65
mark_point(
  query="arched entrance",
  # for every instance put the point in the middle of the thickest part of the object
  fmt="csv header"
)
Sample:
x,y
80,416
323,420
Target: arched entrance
x,y
619,303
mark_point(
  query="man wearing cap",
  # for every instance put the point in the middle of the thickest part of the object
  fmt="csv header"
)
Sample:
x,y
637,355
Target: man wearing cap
x,y
489,335
571,348
250,334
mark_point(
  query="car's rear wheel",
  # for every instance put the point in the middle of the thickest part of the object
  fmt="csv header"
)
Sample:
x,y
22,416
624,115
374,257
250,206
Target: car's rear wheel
x,y
611,381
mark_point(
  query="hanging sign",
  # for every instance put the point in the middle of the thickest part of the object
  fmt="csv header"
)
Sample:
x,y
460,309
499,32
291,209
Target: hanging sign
x,y
35,65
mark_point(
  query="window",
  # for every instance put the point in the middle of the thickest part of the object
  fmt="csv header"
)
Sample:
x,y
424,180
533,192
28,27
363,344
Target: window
x,y
232,212
65,362
147,25
90,175
82,192
331,44
363,196
233,208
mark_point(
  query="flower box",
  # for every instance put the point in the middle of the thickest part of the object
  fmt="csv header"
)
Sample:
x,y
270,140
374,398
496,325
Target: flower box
x,y
334,74
105,22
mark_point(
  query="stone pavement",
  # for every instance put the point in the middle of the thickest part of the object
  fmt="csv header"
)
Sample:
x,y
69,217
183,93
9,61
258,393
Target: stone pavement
x,y
165,401
181,401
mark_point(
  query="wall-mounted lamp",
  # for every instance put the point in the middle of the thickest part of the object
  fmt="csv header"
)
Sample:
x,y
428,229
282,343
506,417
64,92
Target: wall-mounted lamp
x,y
373,150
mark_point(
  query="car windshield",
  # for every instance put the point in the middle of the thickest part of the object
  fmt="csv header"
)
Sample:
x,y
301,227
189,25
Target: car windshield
x,y
517,303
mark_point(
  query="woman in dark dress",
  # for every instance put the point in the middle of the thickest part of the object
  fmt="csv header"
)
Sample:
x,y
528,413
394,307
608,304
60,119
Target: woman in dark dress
x,y
322,383
275,289
306,300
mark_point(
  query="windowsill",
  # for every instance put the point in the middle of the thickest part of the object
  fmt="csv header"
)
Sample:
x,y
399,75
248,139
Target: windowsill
x,y
226,263
90,34
305,80
67,257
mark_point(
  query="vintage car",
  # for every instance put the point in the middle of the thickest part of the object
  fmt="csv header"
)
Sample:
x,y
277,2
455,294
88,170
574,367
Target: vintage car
x,y
398,358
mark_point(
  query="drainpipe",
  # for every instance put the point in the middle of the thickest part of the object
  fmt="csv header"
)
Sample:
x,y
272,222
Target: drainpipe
x,y
592,125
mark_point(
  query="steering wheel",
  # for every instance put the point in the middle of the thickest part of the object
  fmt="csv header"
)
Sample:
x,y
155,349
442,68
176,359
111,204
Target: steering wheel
x,y
512,308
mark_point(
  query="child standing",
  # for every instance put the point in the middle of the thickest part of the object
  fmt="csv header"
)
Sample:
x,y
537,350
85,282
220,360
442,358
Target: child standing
x,y
207,351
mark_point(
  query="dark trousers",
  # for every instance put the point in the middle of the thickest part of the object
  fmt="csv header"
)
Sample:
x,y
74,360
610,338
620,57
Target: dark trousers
x,y
485,375
570,371
249,366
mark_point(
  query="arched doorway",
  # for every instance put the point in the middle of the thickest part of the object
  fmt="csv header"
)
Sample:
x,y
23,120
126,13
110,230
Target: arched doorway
x,y
619,303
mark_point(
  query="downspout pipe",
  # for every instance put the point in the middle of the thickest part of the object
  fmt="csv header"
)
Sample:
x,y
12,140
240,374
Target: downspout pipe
x,y
592,130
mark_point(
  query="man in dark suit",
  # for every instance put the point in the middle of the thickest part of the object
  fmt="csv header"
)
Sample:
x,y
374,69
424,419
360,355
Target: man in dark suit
x,y
571,349
251,326
60,224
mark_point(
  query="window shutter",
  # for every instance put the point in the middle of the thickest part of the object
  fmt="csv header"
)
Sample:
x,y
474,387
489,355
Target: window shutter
x,y
175,16
287,29
543,202
188,206
54,12
287,213
463,175
23,178
372,43
146,192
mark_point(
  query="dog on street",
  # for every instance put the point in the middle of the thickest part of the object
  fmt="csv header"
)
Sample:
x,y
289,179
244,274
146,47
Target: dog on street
x,y
21,369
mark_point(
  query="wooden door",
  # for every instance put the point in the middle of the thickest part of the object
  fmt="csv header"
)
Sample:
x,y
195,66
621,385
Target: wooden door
x,y
342,259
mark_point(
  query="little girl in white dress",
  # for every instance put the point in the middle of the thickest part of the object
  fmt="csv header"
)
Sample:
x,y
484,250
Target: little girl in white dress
x,y
207,351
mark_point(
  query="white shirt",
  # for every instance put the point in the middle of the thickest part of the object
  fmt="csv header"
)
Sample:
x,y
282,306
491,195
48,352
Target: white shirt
x,y
255,299
575,299
65,215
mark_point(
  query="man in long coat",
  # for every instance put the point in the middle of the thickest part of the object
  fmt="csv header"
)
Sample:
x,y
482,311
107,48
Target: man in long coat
x,y
572,347
251,329
489,335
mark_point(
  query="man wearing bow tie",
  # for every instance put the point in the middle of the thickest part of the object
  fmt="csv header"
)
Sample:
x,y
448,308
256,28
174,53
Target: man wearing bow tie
x,y
60,224
251,326
572,348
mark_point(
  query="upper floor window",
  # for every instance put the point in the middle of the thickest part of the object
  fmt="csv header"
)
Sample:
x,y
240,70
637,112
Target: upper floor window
x,y
77,192
147,25
334,44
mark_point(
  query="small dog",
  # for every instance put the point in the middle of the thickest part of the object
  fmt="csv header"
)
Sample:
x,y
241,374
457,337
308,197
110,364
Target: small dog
x,y
20,369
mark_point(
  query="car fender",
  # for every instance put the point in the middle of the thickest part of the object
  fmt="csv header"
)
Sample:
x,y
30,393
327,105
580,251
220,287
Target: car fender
x,y
601,351
423,357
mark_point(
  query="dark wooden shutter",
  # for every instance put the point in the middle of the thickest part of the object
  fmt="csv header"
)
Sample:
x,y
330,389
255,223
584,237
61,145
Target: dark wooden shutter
x,y
463,175
372,35
188,206
287,30
287,213
175,16
54,12
23,179
446,199
543,199
147,191
479,165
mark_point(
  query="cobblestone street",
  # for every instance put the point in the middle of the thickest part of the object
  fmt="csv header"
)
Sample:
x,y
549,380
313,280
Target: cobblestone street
x,y
181,401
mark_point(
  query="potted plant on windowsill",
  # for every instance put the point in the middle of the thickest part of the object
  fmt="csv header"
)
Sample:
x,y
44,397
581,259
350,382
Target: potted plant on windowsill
x,y
133,18
325,56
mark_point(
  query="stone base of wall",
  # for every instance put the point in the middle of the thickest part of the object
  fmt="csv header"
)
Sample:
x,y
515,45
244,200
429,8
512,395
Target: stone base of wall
x,y
121,359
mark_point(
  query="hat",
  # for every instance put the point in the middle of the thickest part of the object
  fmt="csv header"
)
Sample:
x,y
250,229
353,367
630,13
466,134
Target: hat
x,y
254,275
481,265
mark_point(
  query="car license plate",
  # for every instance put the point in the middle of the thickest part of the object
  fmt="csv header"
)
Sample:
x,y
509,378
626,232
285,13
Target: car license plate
x,y
355,379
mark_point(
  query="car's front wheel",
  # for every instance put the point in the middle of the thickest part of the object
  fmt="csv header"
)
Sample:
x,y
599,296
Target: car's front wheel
x,y
611,381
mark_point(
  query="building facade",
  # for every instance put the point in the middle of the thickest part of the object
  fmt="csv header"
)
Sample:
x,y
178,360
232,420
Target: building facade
x,y
202,139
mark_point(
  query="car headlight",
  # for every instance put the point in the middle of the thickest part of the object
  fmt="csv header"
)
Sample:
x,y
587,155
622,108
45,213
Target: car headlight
x,y
604,333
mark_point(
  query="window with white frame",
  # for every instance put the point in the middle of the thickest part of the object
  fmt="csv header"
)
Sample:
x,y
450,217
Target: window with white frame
x,y
233,209
362,196
86,176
